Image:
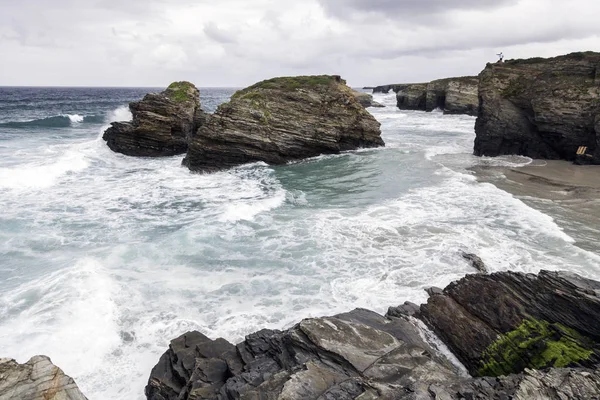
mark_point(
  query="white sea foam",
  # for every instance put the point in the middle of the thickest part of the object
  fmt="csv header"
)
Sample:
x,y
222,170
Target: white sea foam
x,y
75,118
115,257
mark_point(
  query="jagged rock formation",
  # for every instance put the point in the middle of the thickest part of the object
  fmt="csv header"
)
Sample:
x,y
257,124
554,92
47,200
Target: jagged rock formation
x,y
555,313
366,100
362,355
37,379
162,124
386,88
283,119
541,108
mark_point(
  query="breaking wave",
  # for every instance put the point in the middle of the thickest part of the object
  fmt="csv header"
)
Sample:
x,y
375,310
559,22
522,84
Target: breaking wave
x,y
57,121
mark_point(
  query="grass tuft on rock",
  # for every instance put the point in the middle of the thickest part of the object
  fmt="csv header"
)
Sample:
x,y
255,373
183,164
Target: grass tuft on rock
x,y
180,91
536,344
289,84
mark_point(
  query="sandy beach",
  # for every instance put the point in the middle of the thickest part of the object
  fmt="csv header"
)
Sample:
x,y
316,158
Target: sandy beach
x,y
567,192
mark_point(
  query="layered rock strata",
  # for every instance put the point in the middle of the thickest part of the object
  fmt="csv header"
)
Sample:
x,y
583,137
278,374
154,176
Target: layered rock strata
x,y
37,379
541,108
281,120
162,124
363,355
451,95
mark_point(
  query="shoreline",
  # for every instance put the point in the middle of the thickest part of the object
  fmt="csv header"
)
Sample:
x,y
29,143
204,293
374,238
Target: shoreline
x,y
569,193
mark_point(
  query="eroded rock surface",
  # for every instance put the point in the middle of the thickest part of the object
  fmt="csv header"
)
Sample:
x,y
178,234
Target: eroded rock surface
x,y
481,316
362,355
281,120
451,95
37,379
162,124
541,108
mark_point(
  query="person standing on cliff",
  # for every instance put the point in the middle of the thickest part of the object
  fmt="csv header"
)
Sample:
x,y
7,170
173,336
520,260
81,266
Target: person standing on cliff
x,y
501,57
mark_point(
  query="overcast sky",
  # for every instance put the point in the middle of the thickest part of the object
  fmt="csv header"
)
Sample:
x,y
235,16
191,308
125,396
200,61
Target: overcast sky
x,y
238,42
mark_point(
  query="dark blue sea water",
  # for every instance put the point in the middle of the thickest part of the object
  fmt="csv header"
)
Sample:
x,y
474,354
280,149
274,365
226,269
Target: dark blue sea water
x,y
105,258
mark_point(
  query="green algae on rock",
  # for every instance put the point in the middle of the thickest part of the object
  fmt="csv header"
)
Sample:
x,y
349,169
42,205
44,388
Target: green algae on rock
x,y
283,119
536,344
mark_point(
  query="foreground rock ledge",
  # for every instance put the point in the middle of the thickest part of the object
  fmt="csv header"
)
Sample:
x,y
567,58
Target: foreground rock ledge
x,y
283,119
162,123
37,379
363,355
541,108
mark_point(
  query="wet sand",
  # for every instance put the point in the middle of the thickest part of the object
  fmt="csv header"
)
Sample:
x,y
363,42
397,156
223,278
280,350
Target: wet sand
x,y
569,193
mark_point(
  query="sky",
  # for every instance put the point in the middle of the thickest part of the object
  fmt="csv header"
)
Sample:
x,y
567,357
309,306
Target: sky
x,y
238,42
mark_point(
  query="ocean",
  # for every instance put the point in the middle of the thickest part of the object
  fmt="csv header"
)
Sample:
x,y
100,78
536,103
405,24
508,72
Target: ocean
x,y
105,258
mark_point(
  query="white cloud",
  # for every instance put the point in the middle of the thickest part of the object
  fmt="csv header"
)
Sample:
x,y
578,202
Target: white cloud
x,y
236,42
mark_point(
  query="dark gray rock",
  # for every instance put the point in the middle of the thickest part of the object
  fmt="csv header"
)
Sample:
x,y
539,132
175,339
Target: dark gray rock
x,y
540,108
475,261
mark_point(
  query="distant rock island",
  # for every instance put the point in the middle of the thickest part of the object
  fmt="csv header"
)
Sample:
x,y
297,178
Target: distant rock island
x,y
451,95
541,108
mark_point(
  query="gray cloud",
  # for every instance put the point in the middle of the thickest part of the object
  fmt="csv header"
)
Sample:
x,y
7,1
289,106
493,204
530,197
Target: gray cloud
x,y
403,9
237,42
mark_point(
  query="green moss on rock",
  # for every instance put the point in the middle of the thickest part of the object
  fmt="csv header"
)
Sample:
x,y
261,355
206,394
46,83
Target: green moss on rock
x,y
535,344
180,91
289,84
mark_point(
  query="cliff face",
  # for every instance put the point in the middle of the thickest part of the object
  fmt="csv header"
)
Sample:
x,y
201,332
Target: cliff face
x,y
281,120
162,123
541,108
452,95
499,325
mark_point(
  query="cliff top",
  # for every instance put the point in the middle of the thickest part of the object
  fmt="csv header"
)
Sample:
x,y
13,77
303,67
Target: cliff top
x,y
291,83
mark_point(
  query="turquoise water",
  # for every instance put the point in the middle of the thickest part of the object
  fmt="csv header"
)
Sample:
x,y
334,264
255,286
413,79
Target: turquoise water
x,y
105,258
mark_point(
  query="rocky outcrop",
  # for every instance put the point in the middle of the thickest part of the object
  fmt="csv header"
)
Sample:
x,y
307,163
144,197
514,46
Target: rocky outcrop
x,y
540,108
162,124
366,100
412,96
387,88
37,379
454,95
363,355
505,322
451,95
281,120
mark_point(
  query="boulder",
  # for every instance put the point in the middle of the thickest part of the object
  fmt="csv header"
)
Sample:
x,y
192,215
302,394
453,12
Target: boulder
x,y
162,124
506,322
366,100
37,379
475,261
281,120
541,108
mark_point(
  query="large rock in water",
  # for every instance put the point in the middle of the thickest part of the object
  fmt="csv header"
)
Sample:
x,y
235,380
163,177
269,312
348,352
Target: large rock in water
x,y
37,379
541,108
281,120
454,95
451,95
366,99
162,123
362,355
